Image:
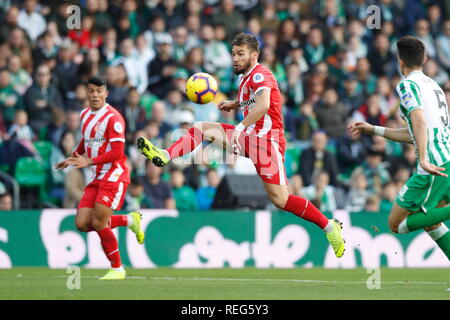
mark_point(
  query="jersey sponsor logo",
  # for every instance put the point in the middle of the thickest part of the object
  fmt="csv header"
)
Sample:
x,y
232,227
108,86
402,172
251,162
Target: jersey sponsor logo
x,y
407,99
247,104
91,141
118,127
258,77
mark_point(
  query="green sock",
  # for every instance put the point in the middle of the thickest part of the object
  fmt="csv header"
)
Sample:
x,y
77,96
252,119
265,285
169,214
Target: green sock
x,y
420,220
441,236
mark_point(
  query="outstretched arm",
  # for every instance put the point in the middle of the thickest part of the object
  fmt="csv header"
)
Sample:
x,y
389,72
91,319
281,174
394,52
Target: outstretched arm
x,y
397,134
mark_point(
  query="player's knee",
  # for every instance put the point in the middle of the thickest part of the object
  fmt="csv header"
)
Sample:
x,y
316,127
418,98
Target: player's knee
x,y
99,224
393,225
82,226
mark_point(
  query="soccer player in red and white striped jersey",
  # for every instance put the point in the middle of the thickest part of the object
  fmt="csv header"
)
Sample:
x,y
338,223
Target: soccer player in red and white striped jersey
x,y
259,136
102,150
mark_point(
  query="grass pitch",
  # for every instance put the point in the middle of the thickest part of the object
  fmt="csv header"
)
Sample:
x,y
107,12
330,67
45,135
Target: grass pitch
x,y
227,284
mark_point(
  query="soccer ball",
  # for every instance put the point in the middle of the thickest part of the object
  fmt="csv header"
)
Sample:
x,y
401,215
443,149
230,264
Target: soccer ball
x,y
201,88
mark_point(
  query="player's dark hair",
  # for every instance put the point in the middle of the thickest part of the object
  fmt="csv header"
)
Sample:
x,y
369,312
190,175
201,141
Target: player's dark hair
x,y
246,39
97,81
411,51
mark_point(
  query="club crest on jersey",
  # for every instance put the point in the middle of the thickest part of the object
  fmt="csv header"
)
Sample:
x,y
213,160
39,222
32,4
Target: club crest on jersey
x,y
97,127
118,127
258,77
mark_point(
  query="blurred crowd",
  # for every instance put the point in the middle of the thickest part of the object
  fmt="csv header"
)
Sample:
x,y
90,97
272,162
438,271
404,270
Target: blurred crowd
x,y
330,66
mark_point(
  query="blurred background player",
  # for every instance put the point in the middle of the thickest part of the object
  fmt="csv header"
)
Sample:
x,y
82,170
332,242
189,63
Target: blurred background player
x,y
102,143
259,136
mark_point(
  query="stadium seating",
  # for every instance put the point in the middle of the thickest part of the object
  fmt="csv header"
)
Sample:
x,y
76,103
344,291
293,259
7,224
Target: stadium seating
x,y
30,174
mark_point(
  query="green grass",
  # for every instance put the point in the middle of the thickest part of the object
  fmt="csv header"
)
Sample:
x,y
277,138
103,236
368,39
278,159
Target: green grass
x,y
227,284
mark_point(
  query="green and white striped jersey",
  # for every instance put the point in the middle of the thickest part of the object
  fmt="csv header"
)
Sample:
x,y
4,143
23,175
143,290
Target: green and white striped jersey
x,y
417,91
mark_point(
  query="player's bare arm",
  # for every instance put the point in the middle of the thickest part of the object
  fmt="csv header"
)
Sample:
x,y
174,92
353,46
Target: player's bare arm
x,y
395,134
421,137
262,104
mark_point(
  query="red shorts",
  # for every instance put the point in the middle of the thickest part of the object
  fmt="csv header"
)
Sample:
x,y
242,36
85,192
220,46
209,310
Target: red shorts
x,y
267,155
110,194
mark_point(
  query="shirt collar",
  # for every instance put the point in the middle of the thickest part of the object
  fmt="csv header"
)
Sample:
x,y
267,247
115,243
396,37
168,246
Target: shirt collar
x,y
250,71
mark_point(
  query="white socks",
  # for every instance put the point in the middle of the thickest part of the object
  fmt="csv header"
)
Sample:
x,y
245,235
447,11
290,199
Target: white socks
x,y
329,227
437,233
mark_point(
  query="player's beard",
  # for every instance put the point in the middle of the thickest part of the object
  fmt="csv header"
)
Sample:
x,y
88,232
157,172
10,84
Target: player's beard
x,y
243,69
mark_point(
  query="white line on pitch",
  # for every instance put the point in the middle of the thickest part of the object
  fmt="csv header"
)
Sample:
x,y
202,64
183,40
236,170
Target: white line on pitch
x,y
267,280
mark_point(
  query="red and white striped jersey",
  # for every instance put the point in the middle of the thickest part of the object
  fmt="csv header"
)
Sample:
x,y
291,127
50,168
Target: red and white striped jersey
x,y
99,129
270,125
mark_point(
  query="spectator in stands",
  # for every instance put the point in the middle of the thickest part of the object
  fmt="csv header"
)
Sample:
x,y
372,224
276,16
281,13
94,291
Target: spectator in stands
x,y
358,193
382,60
109,50
20,128
6,203
300,124
434,16
331,114
10,22
20,79
185,197
135,198
374,170
163,67
117,84
294,85
350,151
171,13
158,115
388,195
317,158
194,61
133,113
206,194
10,100
41,98
158,191
46,49
232,19
296,185
422,32
320,192
17,44
351,95
366,80
66,70
370,112
443,46
314,47
135,68
31,20
373,203
102,20
433,70
388,97
217,57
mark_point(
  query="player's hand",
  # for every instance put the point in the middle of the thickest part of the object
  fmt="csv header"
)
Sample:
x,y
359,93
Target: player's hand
x,y
235,141
432,169
79,161
61,165
358,127
226,105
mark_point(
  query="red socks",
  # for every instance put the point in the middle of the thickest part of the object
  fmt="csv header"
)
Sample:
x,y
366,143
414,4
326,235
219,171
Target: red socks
x,y
110,246
114,221
304,209
186,143
118,221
